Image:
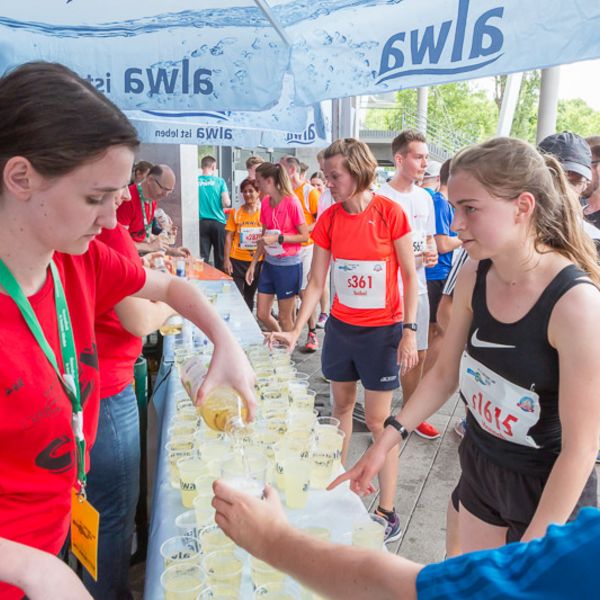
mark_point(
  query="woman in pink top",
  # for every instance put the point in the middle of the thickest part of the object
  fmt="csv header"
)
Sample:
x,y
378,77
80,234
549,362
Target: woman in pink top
x,y
284,229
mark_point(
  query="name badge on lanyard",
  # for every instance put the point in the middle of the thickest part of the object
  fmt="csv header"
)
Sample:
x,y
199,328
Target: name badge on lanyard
x,y
501,407
360,283
70,378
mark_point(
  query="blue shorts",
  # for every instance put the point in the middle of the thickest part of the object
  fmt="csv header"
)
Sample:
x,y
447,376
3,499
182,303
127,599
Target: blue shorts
x,y
283,281
352,352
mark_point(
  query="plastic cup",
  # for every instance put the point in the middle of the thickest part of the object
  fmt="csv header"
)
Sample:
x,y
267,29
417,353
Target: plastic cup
x,y
246,473
276,591
296,475
190,469
330,437
263,573
330,422
186,524
204,492
213,539
176,450
323,456
369,532
222,567
180,550
181,582
302,419
219,592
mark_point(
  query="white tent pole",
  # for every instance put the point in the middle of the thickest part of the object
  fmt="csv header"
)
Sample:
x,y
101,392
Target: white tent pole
x,y
548,103
268,12
422,101
509,104
190,217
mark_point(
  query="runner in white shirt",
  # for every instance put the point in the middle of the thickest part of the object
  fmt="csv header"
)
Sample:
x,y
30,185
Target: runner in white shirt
x,y
410,159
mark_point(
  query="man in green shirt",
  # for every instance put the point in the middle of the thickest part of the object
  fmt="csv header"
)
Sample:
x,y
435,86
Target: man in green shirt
x,y
213,198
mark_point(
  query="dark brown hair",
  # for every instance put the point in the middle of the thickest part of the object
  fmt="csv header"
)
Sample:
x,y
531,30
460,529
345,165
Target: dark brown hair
x,y
248,182
402,141
56,120
445,171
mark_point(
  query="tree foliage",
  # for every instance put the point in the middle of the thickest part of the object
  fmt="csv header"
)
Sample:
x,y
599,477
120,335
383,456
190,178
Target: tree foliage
x,y
470,115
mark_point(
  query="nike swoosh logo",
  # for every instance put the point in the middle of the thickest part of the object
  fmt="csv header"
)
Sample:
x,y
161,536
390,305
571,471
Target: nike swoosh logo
x,y
477,343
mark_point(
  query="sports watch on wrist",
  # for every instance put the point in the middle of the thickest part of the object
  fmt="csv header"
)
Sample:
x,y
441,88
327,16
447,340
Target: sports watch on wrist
x,y
411,326
280,239
391,420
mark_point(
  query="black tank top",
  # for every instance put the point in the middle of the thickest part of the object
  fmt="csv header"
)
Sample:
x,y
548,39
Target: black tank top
x,y
520,353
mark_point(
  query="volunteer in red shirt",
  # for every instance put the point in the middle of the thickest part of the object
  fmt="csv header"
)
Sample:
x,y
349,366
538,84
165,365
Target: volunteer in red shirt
x,y
368,239
138,214
113,480
66,153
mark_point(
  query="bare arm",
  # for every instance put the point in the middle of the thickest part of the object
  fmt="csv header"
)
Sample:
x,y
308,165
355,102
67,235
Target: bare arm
x,y
227,251
155,245
332,570
574,331
39,574
407,350
447,243
289,238
189,302
431,393
142,317
225,200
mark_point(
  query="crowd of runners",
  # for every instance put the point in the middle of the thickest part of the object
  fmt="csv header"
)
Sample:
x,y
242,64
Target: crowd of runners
x,y
513,329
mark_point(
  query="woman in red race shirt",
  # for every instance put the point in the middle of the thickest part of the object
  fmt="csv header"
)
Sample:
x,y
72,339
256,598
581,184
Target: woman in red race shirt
x,y
367,240
65,155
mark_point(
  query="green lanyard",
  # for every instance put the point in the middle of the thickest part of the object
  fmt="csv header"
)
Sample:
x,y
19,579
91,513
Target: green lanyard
x,y
70,379
144,201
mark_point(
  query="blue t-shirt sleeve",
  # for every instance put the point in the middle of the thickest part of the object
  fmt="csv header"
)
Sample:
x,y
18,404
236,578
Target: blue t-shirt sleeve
x,y
443,215
562,564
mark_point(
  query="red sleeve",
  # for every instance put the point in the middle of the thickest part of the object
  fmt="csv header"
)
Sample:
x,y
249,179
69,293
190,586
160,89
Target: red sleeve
x,y
119,239
320,234
396,218
116,276
125,213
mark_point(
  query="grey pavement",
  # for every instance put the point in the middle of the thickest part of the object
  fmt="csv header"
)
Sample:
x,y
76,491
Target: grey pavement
x,y
427,473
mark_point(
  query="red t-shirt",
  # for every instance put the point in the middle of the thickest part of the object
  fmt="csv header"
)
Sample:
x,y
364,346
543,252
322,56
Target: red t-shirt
x,y
130,214
117,348
367,236
37,450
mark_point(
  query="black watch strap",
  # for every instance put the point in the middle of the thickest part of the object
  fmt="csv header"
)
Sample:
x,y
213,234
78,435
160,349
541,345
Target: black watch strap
x,y
391,420
411,326
280,238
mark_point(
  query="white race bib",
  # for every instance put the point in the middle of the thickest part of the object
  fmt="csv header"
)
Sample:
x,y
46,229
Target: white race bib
x,y
275,249
360,283
501,408
419,242
249,237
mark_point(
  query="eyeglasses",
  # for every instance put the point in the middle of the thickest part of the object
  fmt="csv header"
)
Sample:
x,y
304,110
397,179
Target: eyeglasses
x,y
595,162
162,187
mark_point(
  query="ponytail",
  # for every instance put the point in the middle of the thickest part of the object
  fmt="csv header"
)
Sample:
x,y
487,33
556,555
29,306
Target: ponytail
x,y
279,176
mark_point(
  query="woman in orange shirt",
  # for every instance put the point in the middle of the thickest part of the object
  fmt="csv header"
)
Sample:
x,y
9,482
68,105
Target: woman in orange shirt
x,y
243,230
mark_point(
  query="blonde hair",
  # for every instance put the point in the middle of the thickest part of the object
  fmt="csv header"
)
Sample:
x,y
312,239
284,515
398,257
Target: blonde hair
x,y
358,161
279,175
506,167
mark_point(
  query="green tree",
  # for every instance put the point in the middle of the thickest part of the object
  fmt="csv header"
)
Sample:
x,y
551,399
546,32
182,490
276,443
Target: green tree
x,y
456,114
575,115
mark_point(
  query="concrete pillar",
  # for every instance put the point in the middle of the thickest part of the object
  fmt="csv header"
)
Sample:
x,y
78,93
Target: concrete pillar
x,y
190,213
548,103
509,104
422,100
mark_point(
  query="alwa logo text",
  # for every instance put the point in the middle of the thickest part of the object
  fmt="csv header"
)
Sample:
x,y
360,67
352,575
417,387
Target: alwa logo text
x,y
445,49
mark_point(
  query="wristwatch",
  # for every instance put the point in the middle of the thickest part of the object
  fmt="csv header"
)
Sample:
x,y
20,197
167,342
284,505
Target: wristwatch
x,y
280,239
391,420
411,326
